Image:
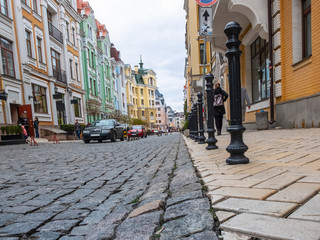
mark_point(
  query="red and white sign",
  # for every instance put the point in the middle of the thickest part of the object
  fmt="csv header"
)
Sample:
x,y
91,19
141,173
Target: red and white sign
x,y
206,3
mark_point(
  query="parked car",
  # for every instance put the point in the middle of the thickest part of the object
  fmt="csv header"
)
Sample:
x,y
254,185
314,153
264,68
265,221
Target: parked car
x,y
103,129
137,131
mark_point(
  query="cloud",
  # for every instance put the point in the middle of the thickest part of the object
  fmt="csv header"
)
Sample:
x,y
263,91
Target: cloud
x,y
153,29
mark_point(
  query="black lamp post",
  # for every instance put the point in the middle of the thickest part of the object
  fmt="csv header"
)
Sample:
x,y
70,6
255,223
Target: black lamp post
x,y
189,125
210,123
236,148
195,121
201,137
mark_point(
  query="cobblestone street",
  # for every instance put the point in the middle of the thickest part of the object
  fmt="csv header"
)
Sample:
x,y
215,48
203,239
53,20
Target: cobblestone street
x,y
143,189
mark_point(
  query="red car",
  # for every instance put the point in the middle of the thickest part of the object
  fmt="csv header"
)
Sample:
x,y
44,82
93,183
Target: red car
x,y
137,131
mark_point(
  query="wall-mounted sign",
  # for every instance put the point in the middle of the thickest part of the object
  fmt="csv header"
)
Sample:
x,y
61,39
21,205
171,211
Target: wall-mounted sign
x,y
206,3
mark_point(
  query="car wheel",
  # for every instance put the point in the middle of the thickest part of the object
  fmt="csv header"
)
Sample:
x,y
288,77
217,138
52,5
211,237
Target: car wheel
x,y
146,136
100,140
113,137
86,141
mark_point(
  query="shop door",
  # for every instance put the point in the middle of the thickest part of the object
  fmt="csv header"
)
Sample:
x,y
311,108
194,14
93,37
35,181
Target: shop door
x,y
26,109
61,112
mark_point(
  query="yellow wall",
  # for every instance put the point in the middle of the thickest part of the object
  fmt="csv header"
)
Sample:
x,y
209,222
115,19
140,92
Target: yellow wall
x,y
299,81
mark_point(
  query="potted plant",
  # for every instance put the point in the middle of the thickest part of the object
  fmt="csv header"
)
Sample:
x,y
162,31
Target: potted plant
x,y
11,132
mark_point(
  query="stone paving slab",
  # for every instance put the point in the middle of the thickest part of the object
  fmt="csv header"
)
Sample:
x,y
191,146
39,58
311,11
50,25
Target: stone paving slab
x,y
244,192
276,209
296,193
309,211
272,228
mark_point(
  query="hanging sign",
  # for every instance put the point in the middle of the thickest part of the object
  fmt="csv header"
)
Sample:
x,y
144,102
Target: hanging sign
x,y
206,3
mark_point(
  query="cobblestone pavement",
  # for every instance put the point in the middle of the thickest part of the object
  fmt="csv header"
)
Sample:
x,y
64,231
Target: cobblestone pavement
x,y
143,189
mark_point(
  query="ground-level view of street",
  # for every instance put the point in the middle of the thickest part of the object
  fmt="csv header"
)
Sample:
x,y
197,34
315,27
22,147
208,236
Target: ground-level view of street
x,y
143,189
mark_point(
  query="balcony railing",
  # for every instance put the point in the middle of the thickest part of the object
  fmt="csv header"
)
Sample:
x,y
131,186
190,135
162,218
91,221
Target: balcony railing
x,y
54,32
60,75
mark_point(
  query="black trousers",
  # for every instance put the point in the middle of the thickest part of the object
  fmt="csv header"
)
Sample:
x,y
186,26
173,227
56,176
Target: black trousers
x,y
218,120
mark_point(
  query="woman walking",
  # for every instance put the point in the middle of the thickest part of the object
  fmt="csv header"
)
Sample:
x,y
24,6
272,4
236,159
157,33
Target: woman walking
x,y
219,97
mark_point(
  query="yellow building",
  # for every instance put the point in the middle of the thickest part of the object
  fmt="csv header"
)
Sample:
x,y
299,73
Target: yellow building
x,y
286,82
141,87
195,46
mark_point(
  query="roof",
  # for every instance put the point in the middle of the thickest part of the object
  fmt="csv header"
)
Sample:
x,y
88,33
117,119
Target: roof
x,y
115,53
101,29
84,5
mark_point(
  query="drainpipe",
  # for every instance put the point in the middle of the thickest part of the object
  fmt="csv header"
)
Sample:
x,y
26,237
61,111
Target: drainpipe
x,y
271,63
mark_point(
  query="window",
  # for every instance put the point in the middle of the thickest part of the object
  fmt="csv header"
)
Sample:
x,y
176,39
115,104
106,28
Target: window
x,y
260,70
123,104
28,42
141,91
7,58
142,102
67,29
94,92
39,99
71,68
73,36
39,42
142,113
77,73
4,7
55,57
35,6
77,107
306,25
92,59
202,54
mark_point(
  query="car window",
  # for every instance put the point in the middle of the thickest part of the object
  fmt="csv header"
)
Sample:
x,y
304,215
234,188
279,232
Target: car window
x,y
105,122
136,127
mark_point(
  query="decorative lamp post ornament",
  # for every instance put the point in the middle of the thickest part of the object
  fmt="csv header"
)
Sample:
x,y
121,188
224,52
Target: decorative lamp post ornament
x,y
236,148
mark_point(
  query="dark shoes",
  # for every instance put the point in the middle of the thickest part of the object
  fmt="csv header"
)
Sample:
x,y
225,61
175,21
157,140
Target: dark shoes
x,y
218,133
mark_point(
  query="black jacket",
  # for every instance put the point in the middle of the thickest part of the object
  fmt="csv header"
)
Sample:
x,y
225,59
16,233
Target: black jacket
x,y
220,110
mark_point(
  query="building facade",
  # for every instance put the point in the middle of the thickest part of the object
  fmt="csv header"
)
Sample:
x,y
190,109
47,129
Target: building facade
x,y
161,114
40,48
279,61
198,60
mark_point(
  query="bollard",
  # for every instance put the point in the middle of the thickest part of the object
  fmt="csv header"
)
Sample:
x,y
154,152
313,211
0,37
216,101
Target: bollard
x,y
236,148
201,138
188,119
210,123
195,119
191,123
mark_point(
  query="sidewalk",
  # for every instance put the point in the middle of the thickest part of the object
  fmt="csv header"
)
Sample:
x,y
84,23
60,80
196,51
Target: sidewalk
x,y
274,196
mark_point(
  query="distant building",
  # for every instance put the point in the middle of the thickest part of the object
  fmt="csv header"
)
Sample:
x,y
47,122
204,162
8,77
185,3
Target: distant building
x,y
161,115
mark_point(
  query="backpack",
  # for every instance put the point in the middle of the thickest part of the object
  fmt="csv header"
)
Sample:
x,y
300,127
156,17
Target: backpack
x,y
217,100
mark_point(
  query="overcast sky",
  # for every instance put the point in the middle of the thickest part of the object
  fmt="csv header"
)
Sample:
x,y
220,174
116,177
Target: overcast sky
x,y
154,29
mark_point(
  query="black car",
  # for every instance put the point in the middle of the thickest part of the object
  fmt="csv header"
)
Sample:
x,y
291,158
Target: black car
x,y
103,129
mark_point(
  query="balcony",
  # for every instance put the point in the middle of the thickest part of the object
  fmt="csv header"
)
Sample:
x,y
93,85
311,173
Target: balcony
x,y
60,75
55,33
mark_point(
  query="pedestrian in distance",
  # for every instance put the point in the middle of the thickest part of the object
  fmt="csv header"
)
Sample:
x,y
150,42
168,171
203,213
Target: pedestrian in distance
x,y
24,132
36,126
245,102
77,128
219,97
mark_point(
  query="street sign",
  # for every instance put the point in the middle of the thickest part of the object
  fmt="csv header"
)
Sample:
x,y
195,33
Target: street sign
x,y
206,3
205,20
